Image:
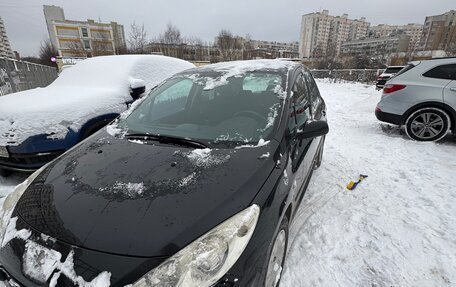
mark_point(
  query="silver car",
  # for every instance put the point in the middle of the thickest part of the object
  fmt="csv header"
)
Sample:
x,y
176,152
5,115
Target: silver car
x,y
422,96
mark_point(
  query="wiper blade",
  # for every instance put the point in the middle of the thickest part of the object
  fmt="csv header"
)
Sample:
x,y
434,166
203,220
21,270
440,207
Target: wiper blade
x,y
168,140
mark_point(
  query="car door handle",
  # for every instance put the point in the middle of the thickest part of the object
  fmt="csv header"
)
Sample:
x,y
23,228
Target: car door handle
x,y
453,89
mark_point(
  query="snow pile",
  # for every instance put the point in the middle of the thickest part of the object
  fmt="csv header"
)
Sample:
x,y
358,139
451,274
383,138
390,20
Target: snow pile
x,y
186,181
204,158
129,190
398,228
265,156
11,231
96,86
40,262
261,143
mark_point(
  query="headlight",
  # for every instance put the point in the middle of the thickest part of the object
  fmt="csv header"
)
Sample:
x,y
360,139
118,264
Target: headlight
x,y
206,260
11,200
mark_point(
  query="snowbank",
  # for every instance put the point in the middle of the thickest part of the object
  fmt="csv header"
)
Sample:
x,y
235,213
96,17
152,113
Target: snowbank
x,y
96,86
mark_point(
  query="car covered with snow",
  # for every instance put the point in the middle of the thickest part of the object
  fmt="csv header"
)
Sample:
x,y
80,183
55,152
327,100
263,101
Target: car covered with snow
x,y
39,124
196,185
422,97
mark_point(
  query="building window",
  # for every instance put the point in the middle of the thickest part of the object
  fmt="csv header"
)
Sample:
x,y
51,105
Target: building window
x,y
86,44
85,32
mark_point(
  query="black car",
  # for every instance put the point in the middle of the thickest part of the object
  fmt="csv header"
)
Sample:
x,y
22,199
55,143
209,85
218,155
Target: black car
x,y
195,186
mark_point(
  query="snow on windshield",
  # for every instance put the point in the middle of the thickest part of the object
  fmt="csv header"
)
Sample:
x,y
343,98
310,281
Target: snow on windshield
x,y
93,87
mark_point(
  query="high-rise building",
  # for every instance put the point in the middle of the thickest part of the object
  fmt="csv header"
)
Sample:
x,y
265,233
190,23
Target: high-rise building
x,y
5,47
376,47
83,38
323,35
412,30
439,32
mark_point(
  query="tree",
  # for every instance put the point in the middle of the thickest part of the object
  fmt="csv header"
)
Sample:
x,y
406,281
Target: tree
x,y
230,46
137,39
47,51
171,42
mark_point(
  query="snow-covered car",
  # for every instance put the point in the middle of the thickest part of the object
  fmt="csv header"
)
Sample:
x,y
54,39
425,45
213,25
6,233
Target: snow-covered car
x,y
387,74
423,98
38,125
195,186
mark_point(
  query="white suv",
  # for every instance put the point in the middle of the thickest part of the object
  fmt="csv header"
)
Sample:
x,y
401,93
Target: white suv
x,y
423,98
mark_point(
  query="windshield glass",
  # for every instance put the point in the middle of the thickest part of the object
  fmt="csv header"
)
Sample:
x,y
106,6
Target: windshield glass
x,y
211,108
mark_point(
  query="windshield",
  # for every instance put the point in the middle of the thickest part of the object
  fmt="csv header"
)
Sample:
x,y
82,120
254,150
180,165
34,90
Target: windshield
x,y
211,108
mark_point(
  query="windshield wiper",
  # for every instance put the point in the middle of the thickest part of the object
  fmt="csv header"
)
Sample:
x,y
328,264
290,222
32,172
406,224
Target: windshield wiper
x,y
168,140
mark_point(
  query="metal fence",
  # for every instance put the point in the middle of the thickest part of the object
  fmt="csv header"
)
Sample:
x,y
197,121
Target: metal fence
x,y
353,75
16,76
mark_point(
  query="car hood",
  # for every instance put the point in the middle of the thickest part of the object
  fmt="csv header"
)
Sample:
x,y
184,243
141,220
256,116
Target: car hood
x,y
54,109
122,197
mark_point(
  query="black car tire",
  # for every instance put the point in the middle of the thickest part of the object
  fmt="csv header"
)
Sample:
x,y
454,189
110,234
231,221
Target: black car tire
x,y
419,124
284,227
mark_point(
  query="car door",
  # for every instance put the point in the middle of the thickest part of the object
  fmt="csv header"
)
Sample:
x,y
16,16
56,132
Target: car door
x,y
449,92
300,112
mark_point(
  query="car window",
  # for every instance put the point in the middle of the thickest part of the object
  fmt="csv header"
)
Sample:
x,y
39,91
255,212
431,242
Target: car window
x,y
243,108
315,97
300,102
392,70
259,83
171,100
406,69
446,72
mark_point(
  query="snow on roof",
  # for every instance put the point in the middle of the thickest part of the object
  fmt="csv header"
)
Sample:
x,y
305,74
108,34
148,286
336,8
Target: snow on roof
x,y
242,67
96,86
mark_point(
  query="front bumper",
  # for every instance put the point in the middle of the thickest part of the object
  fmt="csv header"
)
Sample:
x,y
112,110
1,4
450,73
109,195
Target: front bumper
x,y
389,118
28,162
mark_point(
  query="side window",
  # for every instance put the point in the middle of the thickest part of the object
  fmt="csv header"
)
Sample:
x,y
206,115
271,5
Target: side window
x,y
315,97
172,100
445,72
300,102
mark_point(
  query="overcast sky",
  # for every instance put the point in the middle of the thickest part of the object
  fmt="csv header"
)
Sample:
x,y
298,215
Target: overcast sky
x,y
277,20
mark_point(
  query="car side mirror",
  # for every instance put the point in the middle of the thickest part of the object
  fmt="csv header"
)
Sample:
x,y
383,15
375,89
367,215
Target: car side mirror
x,y
313,129
137,88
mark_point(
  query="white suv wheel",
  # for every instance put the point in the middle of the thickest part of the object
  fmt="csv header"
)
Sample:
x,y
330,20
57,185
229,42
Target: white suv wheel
x,y
428,124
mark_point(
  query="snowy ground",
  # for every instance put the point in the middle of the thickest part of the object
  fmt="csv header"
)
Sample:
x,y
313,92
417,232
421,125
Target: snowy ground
x,y
398,228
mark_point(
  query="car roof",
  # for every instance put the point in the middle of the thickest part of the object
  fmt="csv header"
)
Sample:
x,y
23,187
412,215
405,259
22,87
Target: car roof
x,y
241,67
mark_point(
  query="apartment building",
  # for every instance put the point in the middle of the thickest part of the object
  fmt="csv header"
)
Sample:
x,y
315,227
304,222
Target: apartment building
x,y
377,47
439,32
413,30
83,38
323,35
5,47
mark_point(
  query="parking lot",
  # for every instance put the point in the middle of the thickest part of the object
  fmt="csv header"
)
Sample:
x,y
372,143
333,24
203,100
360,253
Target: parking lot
x,y
396,229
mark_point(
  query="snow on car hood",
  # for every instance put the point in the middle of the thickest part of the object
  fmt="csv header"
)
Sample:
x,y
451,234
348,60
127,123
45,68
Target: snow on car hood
x,y
54,109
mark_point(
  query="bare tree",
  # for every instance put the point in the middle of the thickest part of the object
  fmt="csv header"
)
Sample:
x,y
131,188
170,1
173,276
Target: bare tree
x,y
230,47
137,39
47,51
172,35
171,42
